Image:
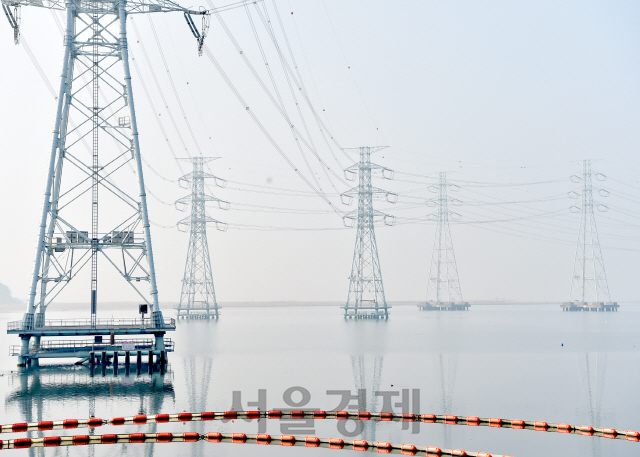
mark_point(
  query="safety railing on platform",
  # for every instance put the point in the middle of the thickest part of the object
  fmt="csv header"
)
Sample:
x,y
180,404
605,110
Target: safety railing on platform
x,y
101,323
90,345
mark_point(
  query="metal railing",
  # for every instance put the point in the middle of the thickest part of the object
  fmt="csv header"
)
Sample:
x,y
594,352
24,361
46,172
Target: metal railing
x,y
100,323
72,346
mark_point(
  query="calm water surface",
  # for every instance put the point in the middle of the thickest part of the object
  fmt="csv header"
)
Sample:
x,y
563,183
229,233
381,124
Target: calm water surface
x,y
520,362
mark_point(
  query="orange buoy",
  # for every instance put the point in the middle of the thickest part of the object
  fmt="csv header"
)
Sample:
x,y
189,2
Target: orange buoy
x,y
213,437
164,437
51,441
191,437
70,423
428,418
137,437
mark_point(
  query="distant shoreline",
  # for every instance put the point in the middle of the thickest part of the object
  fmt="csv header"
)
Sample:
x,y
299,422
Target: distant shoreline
x,y
167,307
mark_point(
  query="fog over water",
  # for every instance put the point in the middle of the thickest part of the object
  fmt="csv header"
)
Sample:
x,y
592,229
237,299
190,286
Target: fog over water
x,y
514,362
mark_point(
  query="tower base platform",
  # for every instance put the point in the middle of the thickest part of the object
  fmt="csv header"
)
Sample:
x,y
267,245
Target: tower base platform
x,y
366,312
34,347
198,313
83,349
593,306
444,306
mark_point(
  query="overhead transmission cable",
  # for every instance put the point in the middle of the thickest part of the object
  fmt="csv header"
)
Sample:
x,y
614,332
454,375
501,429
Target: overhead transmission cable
x,y
36,64
162,97
313,81
364,103
324,130
266,22
193,98
263,85
280,101
175,91
262,128
253,116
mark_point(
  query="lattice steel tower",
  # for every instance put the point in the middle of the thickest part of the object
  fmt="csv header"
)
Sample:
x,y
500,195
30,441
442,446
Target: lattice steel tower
x,y
589,281
198,297
443,289
96,218
366,293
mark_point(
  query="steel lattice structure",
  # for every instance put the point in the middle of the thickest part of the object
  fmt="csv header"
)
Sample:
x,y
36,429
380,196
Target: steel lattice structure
x,y
443,289
366,292
589,281
96,218
198,297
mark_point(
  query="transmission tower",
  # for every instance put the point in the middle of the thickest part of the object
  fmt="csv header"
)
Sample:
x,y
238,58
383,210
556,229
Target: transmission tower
x,y
97,216
443,289
589,287
198,297
366,293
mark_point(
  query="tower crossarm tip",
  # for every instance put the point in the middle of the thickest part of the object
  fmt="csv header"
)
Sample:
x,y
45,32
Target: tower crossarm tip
x,y
375,214
371,149
200,174
188,199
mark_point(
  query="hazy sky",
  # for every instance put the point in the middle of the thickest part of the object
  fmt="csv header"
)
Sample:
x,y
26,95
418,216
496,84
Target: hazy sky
x,y
495,92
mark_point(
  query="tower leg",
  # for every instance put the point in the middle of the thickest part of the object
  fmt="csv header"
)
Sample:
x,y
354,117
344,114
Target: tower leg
x,y
28,321
24,350
36,347
156,313
159,342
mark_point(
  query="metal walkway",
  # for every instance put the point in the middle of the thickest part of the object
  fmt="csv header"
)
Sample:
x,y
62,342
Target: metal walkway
x,y
78,327
84,348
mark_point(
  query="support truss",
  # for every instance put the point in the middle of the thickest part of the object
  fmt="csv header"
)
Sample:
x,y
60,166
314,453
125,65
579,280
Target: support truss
x,y
366,292
589,281
443,288
198,297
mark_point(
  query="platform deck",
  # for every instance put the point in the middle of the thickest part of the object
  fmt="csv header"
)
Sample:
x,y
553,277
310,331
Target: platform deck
x,y
83,327
83,348
594,306
444,306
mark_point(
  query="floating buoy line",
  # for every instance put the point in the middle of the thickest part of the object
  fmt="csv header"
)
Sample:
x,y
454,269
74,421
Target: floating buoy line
x,y
285,440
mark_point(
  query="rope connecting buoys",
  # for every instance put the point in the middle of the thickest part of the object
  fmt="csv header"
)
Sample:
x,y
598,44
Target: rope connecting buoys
x,y
585,430
238,438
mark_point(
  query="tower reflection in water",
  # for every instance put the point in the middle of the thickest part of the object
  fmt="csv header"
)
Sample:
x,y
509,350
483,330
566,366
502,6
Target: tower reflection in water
x,y
53,391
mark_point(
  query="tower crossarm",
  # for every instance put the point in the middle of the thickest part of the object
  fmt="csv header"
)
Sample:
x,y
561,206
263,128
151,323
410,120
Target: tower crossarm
x,y
189,177
374,190
391,197
352,216
351,171
132,7
204,219
199,198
